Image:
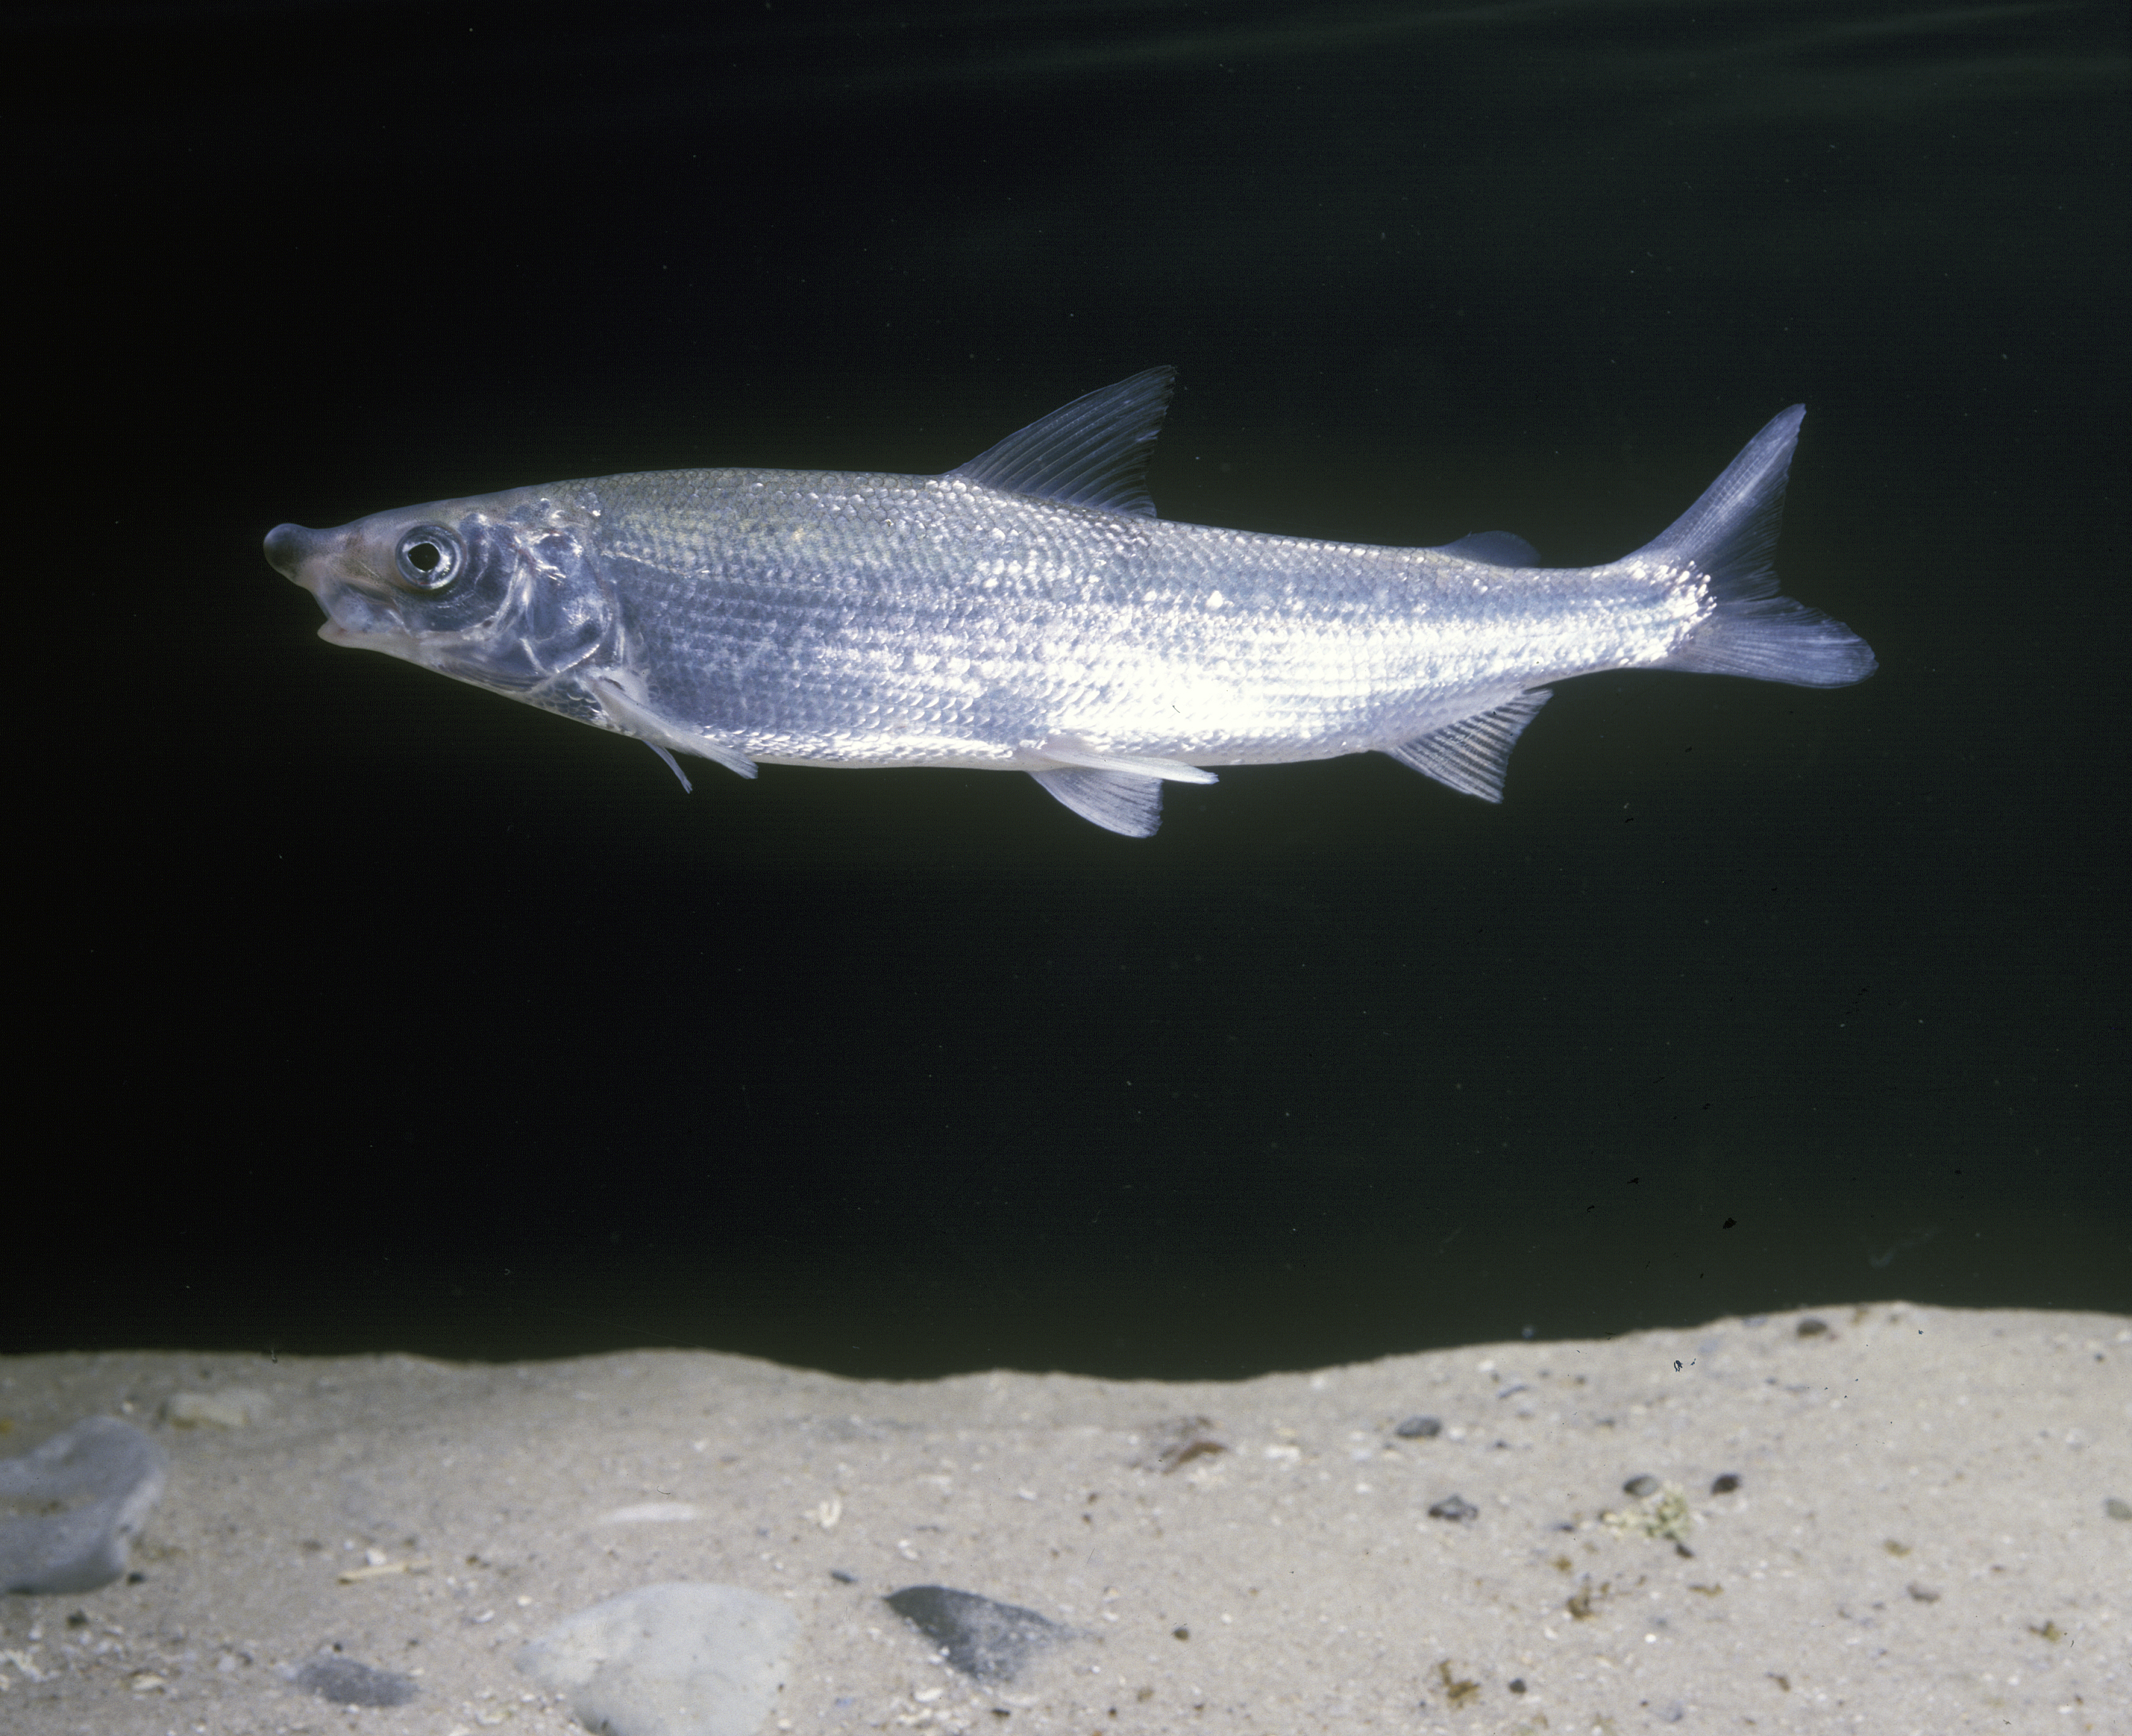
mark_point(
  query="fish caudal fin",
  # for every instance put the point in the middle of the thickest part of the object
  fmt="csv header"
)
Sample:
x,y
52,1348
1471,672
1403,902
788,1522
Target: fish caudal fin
x,y
1729,534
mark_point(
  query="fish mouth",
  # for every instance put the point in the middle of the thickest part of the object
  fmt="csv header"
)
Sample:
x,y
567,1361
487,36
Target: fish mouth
x,y
316,560
289,546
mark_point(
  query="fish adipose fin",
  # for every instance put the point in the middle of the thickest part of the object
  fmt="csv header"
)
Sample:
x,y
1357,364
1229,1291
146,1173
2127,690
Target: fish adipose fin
x,y
1730,535
1473,754
1117,801
1093,453
1498,548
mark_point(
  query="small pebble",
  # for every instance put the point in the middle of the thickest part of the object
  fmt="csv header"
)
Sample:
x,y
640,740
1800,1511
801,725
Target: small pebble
x,y
345,1682
2118,1509
1455,1508
986,1640
1924,1594
1177,1442
1724,1485
1812,1328
1418,1428
1517,1685
1640,1486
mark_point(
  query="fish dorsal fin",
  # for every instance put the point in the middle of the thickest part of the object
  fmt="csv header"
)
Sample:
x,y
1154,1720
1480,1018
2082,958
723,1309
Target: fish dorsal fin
x,y
1117,801
1472,754
1092,453
1498,548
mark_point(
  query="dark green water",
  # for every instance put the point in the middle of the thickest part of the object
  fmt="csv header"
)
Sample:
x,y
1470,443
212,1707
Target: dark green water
x,y
381,1014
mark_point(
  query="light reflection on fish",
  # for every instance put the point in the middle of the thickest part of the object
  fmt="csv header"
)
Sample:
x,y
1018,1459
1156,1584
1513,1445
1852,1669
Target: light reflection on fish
x,y
1028,612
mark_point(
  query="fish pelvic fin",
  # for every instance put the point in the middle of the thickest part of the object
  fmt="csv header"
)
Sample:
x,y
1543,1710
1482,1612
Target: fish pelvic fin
x,y
1730,536
1473,754
1122,801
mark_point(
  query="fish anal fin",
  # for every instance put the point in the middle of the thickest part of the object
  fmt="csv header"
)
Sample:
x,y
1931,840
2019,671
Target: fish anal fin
x,y
1498,548
1090,452
1472,754
1117,801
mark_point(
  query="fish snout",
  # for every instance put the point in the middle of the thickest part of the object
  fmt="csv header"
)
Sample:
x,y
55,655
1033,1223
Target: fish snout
x,y
289,546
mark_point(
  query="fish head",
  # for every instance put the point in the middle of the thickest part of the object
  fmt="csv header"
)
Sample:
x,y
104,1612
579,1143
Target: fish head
x,y
504,591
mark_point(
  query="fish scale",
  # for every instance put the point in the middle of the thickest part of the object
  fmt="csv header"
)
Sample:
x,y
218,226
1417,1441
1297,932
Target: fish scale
x,y
1002,622
1028,612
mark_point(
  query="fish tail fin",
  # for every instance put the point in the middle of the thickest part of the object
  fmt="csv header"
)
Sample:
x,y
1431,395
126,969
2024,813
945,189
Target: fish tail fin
x,y
1730,536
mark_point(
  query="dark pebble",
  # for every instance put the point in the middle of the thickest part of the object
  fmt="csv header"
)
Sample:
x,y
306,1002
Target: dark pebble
x,y
983,1639
1517,1685
1724,1485
347,1683
1812,1328
1418,1428
1924,1594
2118,1509
1640,1486
1458,1510
842,1578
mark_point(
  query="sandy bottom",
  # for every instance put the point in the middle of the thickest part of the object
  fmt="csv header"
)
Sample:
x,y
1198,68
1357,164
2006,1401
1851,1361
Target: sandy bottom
x,y
1927,1533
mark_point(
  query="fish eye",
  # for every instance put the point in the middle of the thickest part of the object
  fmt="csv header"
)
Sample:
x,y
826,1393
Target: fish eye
x,y
429,557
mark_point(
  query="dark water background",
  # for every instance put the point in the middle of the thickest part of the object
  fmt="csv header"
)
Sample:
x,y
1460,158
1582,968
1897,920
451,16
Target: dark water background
x,y
374,1012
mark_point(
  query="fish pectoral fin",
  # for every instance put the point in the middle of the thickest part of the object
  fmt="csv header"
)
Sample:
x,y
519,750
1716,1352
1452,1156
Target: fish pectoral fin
x,y
1472,754
1122,801
632,717
1498,548
1092,453
1137,765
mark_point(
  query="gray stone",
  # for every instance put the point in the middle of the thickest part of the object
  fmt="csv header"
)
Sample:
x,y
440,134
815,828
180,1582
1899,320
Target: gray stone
x,y
1457,1509
347,1683
106,1477
1640,1486
1418,1428
669,1660
988,1641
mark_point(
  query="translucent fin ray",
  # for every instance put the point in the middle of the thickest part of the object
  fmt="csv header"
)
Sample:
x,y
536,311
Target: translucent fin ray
x,y
1092,452
1473,754
1117,801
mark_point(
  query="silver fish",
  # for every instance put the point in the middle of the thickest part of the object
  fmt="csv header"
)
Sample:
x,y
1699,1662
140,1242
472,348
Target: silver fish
x,y
1027,611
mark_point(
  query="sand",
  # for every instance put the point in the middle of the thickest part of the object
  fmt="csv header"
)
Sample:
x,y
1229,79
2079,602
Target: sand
x,y
1921,1538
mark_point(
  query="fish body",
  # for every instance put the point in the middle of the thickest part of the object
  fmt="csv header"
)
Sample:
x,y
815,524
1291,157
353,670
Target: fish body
x,y
1028,612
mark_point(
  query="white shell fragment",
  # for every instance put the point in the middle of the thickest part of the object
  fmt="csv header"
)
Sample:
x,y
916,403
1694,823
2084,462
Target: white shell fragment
x,y
669,1660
